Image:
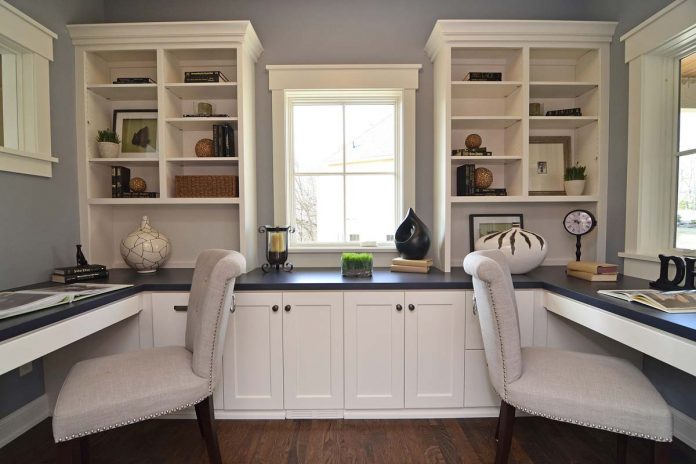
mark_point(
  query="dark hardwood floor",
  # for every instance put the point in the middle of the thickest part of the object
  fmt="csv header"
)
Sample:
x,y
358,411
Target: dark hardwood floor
x,y
343,441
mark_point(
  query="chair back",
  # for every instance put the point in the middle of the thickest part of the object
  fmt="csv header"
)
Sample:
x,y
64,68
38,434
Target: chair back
x,y
497,312
209,307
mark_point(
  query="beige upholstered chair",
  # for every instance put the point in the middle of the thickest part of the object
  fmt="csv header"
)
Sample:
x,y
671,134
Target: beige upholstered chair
x,y
111,391
586,389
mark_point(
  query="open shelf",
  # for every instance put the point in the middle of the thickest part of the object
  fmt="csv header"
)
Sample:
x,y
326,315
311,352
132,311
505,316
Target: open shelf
x,y
198,124
525,199
126,161
483,122
476,89
203,90
125,92
541,89
560,122
204,161
485,159
163,201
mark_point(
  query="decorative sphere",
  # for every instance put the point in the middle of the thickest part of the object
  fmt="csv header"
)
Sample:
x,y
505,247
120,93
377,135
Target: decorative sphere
x,y
523,250
473,141
204,148
483,178
137,184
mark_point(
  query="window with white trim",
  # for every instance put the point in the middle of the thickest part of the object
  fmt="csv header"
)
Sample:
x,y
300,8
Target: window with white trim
x,y
685,227
343,152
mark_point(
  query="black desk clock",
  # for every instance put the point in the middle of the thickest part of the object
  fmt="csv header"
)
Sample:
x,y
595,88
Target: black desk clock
x,y
579,222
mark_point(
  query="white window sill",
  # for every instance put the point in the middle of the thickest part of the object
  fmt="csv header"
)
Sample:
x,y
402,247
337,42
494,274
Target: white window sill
x,y
653,258
344,249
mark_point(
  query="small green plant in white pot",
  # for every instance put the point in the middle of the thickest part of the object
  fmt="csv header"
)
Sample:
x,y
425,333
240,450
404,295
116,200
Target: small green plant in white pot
x,y
108,143
574,179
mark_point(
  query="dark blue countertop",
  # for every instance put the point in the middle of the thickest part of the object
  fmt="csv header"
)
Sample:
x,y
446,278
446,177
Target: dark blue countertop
x,y
551,278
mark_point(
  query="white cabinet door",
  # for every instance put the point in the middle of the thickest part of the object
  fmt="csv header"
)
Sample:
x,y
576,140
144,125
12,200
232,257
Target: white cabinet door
x,y
478,391
169,318
313,350
525,313
253,358
434,362
374,350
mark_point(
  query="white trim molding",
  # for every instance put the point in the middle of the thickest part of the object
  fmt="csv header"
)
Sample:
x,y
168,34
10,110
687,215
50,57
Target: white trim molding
x,y
684,428
32,45
17,422
652,51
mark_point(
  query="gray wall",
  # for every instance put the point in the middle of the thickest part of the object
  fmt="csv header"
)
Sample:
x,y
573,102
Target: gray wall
x,y
40,224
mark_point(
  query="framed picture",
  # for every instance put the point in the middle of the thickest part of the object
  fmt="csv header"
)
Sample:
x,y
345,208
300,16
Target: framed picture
x,y
484,224
548,158
137,130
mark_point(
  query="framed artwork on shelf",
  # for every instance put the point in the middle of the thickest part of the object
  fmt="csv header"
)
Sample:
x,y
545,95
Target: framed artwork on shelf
x,y
484,224
137,130
548,158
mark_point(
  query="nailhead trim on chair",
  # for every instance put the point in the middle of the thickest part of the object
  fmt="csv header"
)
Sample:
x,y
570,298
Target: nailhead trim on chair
x,y
215,334
588,424
130,421
497,327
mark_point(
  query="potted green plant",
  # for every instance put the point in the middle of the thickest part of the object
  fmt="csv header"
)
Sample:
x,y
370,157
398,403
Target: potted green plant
x,y
356,264
108,143
574,179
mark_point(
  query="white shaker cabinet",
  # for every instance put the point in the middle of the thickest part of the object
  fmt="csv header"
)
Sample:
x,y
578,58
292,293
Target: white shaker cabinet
x,y
169,318
313,350
374,350
253,356
434,349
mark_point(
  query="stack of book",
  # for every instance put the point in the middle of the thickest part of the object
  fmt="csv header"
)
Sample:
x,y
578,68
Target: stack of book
x,y
120,188
565,112
134,80
466,184
594,272
204,76
223,140
484,76
411,265
480,151
72,274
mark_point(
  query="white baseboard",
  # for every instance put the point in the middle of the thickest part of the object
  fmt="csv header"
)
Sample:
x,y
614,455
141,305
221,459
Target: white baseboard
x,y
455,413
24,418
684,428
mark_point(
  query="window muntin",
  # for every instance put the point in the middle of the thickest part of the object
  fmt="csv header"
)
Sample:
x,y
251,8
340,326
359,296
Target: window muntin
x,y
685,236
344,167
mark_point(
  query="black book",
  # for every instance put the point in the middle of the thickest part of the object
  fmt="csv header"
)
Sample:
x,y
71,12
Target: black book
x,y
215,140
140,195
204,76
565,112
484,76
490,192
76,270
69,279
465,179
134,80
120,178
230,141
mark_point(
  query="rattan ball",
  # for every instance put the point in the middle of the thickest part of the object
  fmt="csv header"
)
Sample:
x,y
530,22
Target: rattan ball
x,y
473,141
483,178
204,148
137,184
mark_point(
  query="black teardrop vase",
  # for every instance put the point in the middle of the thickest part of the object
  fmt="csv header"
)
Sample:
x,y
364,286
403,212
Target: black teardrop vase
x,y
412,237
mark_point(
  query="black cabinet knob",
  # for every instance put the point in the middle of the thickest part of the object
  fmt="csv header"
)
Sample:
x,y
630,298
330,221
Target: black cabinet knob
x,y
275,308
411,307
399,307
288,307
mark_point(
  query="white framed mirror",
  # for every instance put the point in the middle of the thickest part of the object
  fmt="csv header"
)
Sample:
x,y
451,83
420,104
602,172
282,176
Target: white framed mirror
x,y
26,49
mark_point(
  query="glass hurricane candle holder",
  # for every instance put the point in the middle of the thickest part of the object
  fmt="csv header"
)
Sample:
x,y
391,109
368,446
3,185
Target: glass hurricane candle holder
x,y
276,247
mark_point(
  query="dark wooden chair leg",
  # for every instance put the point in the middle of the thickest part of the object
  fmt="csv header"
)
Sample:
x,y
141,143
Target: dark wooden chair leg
x,y
75,451
506,423
621,442
206,421
497,424
660,452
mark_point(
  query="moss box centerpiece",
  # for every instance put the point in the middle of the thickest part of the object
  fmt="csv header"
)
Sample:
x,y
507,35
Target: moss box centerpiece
x,y
356,264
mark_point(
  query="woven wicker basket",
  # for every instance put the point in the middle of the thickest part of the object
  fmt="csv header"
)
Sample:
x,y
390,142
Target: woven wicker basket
x,y
206,186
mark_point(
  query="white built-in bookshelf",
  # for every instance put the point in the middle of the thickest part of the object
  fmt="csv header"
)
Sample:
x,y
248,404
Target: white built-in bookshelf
x,y
164,52
560,64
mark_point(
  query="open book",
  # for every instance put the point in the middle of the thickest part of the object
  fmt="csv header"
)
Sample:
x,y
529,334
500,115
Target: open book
x,y
24,301
683,301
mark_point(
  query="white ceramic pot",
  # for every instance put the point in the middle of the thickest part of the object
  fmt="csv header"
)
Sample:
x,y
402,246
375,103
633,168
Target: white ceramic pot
x,y
574,187
523,250
108,149
145,249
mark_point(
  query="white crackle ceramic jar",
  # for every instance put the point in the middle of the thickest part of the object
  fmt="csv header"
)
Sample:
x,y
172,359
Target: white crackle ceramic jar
x,y
523,250
145,249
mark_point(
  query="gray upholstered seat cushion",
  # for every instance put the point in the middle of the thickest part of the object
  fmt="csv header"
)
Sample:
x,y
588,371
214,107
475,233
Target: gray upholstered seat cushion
x,y
111,391
597,391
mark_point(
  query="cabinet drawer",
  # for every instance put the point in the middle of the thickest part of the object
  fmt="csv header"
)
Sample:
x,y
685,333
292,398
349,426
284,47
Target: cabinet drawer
x,y
169,319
